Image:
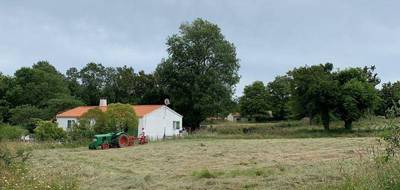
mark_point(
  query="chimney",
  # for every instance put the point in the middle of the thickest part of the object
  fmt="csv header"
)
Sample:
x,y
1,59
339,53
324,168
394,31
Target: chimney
x,y
103,102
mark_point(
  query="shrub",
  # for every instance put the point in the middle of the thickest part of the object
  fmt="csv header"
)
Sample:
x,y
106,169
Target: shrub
x,y
46,130
122,117
11,132
81,132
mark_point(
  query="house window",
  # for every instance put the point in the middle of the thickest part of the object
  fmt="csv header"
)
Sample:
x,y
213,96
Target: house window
x,y
177,125
70,123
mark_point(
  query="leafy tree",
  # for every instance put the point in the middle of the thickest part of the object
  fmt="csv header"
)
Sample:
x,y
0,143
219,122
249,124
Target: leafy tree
x,y
73,82
254,102
279,95
36,85
95,119
200,72
390,95
26,115
314,92
93,78
148,89
47,130
56,105
5,85
122,117
357,94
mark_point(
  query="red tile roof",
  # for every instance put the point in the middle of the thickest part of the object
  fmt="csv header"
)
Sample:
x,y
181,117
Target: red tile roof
x,y
140,110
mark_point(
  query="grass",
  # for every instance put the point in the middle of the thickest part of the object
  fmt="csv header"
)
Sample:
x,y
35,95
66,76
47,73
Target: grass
x,y
15,173
367,127
208,163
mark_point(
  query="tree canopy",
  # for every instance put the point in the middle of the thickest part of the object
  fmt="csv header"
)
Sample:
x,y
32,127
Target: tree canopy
x,y
254,102
200,72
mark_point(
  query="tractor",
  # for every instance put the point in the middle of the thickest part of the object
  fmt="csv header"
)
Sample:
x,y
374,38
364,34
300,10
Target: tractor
x,y
115,140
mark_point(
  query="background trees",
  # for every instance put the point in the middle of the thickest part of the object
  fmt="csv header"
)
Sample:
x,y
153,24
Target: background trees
x,y
278,97
200,71
255,101
199,77
389,95
357,94
314,92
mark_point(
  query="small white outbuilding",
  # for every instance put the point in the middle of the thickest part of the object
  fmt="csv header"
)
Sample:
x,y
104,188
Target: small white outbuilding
x,y
156,121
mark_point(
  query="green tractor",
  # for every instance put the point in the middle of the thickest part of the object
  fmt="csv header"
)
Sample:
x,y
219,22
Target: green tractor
x,y
115,140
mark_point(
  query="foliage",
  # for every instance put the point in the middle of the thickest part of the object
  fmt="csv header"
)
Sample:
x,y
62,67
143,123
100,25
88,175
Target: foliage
x,y
26,115
357,94
95,119
117,117
200,72
390,95
279,95
8,132
392,138
254,102
47,130
80,133
93,78
56,105
36,85
314,91
121,117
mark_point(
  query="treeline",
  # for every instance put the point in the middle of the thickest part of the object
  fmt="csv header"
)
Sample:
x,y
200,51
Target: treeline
x,y
40,91
198,76
320,92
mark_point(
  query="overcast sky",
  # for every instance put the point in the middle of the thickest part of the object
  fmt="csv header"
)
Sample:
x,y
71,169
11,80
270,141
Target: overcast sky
x,y
271,37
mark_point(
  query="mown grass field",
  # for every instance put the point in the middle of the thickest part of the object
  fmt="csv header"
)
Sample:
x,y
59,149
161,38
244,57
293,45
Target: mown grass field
x,y
208,163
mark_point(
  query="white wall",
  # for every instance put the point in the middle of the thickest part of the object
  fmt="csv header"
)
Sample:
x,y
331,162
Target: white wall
x,y
154,123
63,122
160,122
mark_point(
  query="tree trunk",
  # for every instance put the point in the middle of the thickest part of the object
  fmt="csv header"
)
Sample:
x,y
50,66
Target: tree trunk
x,y
325,119
348,124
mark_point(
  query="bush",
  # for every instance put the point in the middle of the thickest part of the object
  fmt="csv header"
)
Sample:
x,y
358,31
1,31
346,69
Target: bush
x,y
46,130
11,132
81,132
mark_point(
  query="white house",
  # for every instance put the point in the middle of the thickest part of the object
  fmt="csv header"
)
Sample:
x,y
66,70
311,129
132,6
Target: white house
x,y
157,121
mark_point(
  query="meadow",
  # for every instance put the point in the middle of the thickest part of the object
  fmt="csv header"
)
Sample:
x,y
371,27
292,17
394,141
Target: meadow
x,y
281,155
208,164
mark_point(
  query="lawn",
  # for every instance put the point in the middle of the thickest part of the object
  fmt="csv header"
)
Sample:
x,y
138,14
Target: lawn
x,y
208,163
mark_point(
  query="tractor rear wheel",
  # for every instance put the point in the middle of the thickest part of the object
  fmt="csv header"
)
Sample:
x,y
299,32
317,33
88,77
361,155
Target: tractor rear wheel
x,y
123,141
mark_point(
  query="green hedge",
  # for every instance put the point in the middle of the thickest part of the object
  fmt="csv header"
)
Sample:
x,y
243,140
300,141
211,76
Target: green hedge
x,y
9,132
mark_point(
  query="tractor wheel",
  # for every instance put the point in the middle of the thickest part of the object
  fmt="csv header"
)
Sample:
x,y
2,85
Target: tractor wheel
x,y
105,146
123,141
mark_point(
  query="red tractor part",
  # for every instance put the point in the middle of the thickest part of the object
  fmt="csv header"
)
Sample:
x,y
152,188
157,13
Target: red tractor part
x,y
105,146
123,141
131,140
143,139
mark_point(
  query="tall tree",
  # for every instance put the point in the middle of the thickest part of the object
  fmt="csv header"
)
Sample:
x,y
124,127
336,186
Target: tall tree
x,y
279,94
357,93
37,85
73,82
93,78
390,95
314,91
200,72
254,102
